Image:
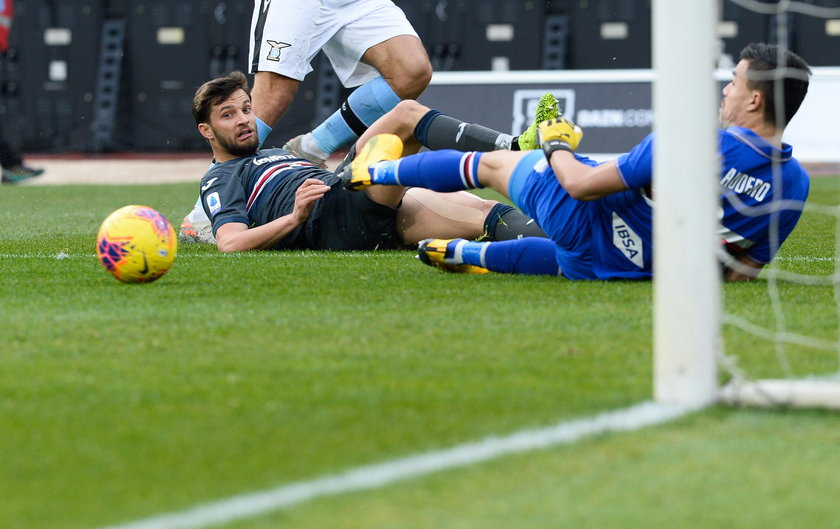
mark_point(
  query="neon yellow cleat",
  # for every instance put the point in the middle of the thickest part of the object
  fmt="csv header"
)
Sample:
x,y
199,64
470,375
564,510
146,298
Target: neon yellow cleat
x,y
440,254
546,109
381,147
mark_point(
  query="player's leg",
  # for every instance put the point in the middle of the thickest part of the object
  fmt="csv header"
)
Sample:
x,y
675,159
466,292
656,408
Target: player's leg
x,y
378,49
285,37
416,124
446,170
438,174
365,105
424,213
403,63
271,96
530,256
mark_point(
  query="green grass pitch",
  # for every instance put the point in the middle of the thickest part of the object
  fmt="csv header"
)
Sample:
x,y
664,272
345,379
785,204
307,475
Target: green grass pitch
x,y
239,373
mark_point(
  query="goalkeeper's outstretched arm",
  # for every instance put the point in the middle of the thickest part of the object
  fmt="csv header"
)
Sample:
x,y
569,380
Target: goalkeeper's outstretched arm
x,y
559,138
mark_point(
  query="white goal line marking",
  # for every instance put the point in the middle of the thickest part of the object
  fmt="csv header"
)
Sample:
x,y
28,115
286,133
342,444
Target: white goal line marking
x,y
254,255
381,474
235,255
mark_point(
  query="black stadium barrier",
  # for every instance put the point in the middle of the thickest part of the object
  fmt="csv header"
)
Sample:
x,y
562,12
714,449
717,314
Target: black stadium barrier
x,y
60,91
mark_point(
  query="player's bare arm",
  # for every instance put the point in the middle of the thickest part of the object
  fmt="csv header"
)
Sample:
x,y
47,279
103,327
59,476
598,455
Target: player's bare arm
x,y
237,237
584,182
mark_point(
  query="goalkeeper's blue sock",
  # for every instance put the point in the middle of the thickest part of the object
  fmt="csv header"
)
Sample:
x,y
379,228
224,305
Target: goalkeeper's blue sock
x,y
365,105
529,255
445,171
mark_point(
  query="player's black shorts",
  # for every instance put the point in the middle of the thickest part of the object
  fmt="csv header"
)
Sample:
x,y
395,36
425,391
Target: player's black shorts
x,y
350,220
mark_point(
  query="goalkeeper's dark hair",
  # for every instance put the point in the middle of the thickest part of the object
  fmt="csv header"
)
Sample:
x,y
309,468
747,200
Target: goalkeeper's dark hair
x,y
765,58
215,91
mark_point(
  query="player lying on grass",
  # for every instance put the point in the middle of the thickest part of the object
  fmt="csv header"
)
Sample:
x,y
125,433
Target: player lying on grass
x,y
272,199
599,216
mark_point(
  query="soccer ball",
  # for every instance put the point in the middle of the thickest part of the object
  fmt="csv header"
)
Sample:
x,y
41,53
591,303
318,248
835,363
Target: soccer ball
x,y
136,244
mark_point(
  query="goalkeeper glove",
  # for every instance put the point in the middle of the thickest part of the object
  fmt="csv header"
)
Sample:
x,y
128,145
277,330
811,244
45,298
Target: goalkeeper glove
x,y
558,134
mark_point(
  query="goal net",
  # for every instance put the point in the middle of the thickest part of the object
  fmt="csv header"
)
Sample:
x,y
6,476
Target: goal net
x,y
772,342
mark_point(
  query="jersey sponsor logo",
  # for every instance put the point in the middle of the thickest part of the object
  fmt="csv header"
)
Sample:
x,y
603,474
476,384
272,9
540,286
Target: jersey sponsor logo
x,y
209,183
262,160
627,241
274,52
214,204
744,184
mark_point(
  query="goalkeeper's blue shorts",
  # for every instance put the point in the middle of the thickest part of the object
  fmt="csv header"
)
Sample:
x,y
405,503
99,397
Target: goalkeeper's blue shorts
x,y
534,188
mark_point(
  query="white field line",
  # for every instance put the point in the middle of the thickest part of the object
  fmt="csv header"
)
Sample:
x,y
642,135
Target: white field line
x,y
381,474
251,255
236,255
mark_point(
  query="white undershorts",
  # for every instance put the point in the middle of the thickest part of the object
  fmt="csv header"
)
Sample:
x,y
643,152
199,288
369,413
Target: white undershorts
x,y
294,31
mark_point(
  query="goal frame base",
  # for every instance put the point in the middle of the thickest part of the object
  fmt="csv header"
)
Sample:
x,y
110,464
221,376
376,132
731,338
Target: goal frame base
x,y
781,393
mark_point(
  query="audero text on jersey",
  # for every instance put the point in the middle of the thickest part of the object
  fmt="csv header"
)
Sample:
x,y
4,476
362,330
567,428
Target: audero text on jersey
x,y
744,184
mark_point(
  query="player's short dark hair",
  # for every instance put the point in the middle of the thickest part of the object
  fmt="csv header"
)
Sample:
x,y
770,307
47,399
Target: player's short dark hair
x,y
763,58
215,91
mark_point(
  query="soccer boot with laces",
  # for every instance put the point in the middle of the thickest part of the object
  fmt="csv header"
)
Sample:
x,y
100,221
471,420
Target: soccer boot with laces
x,y
546,109
382,147
295,146
196,227
441,253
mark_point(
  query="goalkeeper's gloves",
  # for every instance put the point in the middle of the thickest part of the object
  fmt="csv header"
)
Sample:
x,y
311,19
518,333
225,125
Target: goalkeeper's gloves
x,y
558,134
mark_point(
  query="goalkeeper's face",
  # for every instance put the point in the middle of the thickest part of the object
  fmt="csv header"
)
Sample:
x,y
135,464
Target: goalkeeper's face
x,y
738,97
233,126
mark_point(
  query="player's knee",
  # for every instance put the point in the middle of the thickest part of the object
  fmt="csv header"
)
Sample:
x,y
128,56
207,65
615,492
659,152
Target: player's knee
x,y
411,80
409,111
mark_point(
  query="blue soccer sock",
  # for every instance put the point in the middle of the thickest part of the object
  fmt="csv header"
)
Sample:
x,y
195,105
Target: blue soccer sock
x,y
444,171
365,105
263,130
469,252
529,255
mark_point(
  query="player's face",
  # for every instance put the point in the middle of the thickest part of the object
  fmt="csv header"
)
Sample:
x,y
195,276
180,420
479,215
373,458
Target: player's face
x,y
234,126
737,96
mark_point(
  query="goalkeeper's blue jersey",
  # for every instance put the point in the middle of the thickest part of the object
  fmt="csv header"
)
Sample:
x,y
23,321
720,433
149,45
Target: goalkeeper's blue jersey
x,y
611,238
763,190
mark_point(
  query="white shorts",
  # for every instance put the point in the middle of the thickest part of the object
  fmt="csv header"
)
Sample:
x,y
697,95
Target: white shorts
x,y
287,36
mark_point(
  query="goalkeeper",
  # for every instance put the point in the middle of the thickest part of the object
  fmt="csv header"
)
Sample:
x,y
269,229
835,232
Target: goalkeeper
x,y
599,216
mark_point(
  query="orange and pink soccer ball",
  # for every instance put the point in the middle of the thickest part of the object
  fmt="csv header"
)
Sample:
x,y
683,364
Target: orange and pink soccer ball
x,y
136,244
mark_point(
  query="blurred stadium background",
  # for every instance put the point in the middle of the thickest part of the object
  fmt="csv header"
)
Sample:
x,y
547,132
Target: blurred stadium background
x,y
99,76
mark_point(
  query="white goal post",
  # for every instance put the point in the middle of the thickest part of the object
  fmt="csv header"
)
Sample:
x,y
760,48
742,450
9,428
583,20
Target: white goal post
x,y
686,295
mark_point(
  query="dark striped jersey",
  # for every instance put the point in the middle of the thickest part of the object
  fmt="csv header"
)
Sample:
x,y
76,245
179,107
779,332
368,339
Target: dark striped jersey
x,y
255,190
